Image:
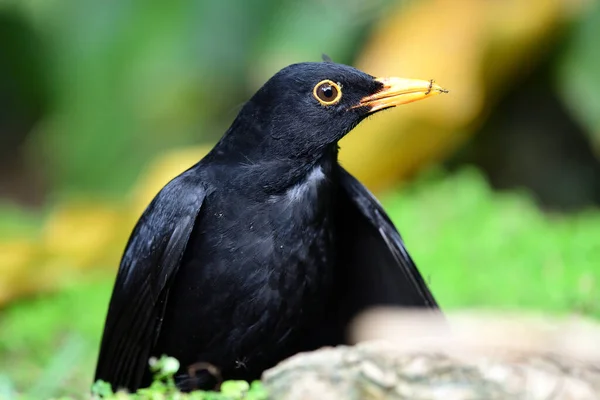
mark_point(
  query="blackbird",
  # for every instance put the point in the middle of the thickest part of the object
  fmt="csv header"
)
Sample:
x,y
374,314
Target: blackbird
x,y
266,247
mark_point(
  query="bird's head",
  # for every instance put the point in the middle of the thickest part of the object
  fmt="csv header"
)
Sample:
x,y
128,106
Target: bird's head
x,y
307,108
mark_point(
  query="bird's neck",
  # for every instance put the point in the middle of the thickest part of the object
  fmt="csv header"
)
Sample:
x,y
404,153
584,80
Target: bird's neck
x,y
264,159
284,175
274,176
254,138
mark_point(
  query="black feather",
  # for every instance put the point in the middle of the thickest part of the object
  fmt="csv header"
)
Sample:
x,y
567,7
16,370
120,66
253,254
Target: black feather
x,y
151,260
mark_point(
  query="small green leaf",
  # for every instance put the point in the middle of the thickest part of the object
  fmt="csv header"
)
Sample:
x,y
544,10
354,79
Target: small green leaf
x,y
257,391
234,388
101,389
170,366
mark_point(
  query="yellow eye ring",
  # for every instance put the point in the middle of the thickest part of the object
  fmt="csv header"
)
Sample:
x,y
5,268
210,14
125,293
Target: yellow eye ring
x,y
327,92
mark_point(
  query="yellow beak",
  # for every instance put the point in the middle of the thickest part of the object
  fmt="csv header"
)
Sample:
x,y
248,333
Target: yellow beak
x,y
397,91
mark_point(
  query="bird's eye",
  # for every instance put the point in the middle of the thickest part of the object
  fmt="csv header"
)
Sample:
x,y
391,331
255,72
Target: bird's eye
x,y
327,92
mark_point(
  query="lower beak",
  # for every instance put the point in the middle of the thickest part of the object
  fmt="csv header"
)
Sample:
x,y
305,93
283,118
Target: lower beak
x,y
397,91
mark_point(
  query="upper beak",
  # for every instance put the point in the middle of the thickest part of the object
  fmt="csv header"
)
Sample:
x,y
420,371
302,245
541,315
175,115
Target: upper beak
x,y
398,91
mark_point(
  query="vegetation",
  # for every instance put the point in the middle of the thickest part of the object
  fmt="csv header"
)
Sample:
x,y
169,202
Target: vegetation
x,y
163,387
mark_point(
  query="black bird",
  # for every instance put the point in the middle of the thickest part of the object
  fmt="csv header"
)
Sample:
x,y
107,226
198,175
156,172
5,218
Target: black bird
x,y
267,246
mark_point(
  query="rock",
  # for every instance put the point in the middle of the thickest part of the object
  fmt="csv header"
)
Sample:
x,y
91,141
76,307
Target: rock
x,y
485,370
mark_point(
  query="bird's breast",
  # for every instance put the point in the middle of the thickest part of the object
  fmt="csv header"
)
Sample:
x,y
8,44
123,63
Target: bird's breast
x,y
276,250
260,270
306,192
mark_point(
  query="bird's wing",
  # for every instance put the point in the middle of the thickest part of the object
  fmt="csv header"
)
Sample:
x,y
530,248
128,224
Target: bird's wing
x,y
149,264
374,266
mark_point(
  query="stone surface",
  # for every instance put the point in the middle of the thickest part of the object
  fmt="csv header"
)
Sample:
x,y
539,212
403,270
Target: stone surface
x,y
537,364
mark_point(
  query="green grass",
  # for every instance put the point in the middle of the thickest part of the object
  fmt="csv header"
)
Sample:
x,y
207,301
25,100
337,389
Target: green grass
x,y
48,345
477,248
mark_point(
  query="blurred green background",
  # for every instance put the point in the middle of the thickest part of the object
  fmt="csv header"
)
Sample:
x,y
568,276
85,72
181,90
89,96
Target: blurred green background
x,y
495,187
